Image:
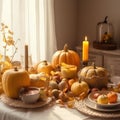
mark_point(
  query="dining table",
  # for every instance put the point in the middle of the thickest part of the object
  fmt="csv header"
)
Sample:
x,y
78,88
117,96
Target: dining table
x,y
51,111
48,112
84,109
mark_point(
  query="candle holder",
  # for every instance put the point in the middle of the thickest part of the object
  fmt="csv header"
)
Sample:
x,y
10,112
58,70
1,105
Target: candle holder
x,y
84,63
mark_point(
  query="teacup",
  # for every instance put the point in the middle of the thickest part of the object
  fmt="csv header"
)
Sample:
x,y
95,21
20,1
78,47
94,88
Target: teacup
x,y
30,95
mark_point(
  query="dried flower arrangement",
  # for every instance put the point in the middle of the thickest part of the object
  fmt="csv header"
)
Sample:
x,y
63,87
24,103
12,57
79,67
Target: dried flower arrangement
x,y
7,42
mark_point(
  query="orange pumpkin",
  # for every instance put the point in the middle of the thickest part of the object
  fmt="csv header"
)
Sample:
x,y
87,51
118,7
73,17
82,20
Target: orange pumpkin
x,y
67,56
45,67
71,81
112,97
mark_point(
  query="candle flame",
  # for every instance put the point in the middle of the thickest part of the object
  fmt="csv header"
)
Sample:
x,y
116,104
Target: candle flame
x,y
85,38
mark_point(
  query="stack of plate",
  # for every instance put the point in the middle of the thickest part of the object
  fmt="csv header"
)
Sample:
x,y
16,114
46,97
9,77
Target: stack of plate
x,y
91,103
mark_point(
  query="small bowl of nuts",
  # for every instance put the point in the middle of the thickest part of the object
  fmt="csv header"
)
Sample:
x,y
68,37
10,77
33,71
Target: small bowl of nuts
x,y
30,95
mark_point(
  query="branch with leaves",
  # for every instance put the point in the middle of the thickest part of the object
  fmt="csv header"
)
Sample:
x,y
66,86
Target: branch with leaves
x,y
7,38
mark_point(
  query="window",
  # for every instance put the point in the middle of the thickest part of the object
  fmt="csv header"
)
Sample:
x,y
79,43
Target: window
x,y
32,21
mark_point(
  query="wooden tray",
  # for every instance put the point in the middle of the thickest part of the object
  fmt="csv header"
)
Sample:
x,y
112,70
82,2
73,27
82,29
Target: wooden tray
x,y
104,46
20,104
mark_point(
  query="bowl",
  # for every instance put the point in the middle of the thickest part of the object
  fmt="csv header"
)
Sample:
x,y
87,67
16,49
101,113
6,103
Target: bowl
x,y
30,95
69,72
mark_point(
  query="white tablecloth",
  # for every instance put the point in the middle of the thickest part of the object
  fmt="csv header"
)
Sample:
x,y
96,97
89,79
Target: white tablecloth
x,y
54,112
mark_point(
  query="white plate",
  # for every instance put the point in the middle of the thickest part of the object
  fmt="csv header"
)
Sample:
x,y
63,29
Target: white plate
x,y
94,106
109,105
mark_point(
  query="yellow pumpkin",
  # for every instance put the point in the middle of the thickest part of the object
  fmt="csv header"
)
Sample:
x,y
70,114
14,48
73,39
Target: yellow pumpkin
x,y
102,99
95,76
32,70
45,67
65,56
78,88
13,80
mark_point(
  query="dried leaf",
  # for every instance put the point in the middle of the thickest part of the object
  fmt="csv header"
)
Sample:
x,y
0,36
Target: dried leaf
x,y
9,31
7,38
4,39
10,37
71,103
10,42
6,26
2,24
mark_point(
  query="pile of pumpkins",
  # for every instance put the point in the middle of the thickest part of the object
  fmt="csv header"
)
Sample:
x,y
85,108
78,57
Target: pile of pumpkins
x,y
64,68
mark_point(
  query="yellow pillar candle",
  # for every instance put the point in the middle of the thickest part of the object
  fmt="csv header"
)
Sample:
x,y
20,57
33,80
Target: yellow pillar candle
x,y
85,47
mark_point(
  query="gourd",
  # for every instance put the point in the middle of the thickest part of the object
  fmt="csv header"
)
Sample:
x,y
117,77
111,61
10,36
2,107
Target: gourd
x,y
39,80
65,56
45,67
13,80
96,77
102,99
78,88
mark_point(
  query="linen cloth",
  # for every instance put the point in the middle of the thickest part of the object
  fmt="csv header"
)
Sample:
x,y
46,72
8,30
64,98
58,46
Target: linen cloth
x,y
54,112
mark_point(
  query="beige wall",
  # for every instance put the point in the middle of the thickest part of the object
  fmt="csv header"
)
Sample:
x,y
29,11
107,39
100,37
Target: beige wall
x,y
66,20
93,11
76,18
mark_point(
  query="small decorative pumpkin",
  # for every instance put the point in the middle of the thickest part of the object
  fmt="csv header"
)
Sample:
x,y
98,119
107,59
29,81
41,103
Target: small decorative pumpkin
x,y
5,66
78,88
112,97
32,70
13,80
96,77
65,56
45,67
102,99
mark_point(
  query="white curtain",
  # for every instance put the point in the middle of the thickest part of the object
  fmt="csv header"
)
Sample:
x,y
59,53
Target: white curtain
x,y
32,21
